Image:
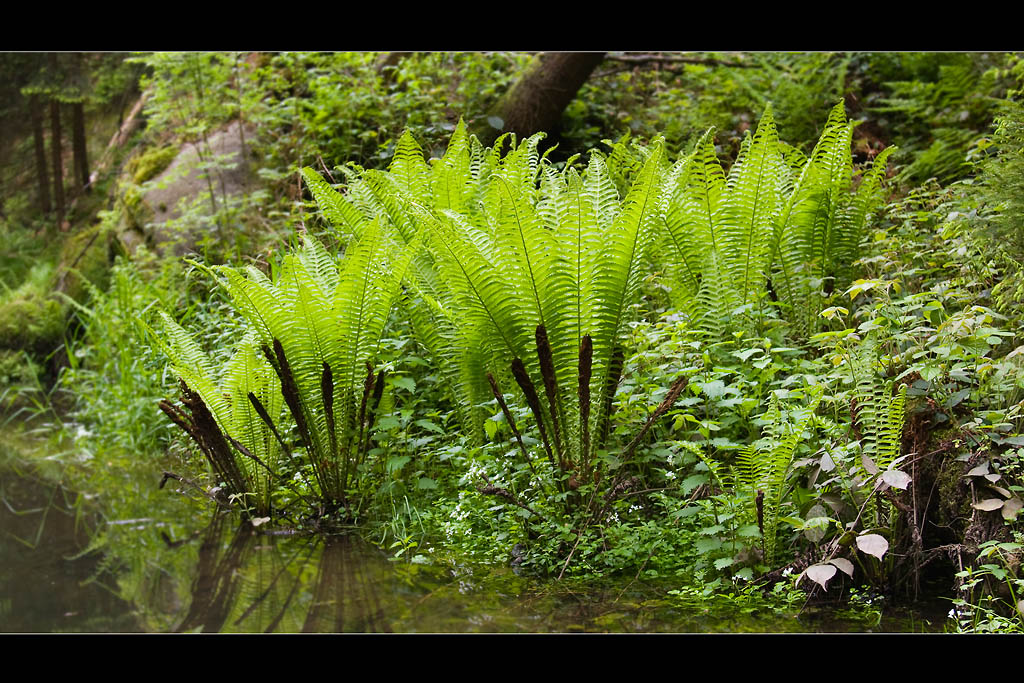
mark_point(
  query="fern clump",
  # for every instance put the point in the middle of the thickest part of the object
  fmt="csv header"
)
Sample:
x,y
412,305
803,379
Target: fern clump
x,y
526,277
759,475
779,228
223,414
311,348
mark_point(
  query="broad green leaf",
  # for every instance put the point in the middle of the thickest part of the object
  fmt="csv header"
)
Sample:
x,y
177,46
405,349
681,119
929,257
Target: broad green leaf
x,y
429,426
713,389
407,383
723,562
398,462
706,545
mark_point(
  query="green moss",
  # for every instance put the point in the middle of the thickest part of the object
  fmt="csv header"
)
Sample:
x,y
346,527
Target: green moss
x,y
132,211
151,164
16,368
131,197
34,324
84,258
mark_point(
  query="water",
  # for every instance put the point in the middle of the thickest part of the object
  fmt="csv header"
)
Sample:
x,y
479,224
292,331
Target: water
x,y
168,566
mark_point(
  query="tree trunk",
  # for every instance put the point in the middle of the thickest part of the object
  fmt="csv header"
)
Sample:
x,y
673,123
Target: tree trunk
x,y
78,145
537,100
55,155
387,63
36,114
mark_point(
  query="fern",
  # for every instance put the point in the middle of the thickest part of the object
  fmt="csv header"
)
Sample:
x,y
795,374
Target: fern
x,y
243,449
780,224
527,273
760,471
316,327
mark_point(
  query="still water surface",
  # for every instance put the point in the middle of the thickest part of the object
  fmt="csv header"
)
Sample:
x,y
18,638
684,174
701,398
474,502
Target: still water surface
x,y
167,566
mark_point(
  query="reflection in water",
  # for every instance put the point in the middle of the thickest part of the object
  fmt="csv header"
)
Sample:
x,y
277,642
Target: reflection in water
x,y
345,590
161,569
216,585
47,583
249,582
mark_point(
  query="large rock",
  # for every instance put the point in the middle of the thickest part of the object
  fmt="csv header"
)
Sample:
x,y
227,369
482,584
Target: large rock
x,y
173,211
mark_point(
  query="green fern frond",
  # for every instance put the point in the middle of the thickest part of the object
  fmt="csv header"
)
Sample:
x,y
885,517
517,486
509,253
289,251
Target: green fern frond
x,y
751,207
338,210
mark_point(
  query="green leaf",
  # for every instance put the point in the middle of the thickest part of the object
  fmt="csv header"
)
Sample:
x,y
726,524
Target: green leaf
x,y
713,389
404,382
746,354
690,483
706,545
429,426
748,531
397,462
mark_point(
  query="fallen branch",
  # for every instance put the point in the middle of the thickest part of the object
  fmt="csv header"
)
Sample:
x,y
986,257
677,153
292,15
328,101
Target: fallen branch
x,y
492,490
188,482
676,59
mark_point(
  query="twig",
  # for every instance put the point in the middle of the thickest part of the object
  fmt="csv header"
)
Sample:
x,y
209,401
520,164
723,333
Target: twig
x,y
196,486
579,537
326,170
492,490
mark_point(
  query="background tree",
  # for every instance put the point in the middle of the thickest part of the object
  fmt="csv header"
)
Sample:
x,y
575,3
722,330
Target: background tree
x,y
536,101
56,151
77,99
21,105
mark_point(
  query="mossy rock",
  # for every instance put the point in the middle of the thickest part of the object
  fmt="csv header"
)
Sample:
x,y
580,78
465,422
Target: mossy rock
x,y
176,210
34,323
130,217
151,164
16,368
